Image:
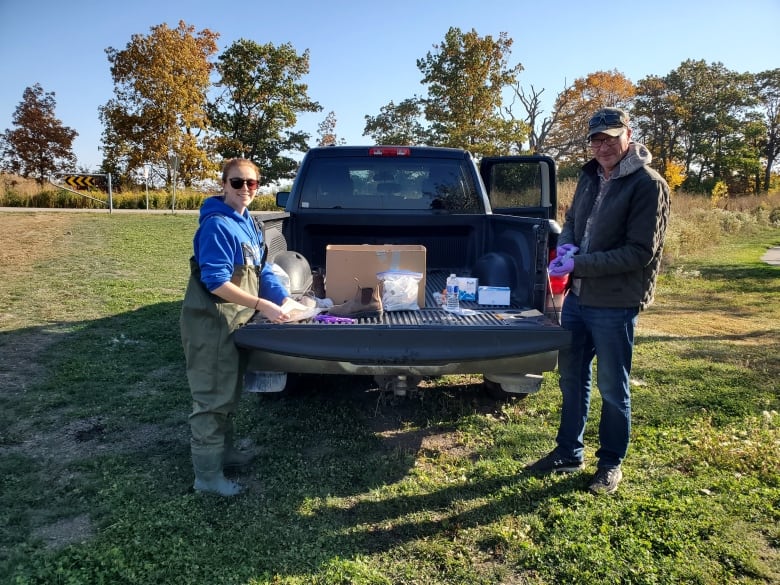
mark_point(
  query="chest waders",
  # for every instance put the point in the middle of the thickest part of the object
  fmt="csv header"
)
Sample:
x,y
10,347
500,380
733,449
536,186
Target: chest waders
x,y
215,369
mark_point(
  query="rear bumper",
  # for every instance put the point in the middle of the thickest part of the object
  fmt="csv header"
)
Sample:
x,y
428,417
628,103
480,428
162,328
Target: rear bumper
x,y
533,364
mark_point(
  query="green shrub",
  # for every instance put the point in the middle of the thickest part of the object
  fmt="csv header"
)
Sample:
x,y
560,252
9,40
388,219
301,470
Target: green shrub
x,y
774,217
189,200
13,199
734,221
691,231
264,203
719,193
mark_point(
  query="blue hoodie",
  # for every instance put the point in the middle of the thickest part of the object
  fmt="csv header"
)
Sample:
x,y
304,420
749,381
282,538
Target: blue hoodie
x,y
225,239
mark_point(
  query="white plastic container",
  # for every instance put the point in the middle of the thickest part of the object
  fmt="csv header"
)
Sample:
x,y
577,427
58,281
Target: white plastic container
x,y
493,295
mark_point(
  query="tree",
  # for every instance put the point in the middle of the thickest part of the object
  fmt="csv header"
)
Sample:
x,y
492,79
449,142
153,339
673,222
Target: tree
x,y
39,145
398,124
158,110
574,106
674,173
539,126
768,91
465,77
745,162
327,131
710,107
261,97
656,126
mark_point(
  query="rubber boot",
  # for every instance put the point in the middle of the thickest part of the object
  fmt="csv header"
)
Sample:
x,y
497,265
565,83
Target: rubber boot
x,y
366,303
233,458
209,476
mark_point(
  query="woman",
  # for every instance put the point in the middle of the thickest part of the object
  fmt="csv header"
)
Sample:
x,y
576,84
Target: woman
x,y
229,281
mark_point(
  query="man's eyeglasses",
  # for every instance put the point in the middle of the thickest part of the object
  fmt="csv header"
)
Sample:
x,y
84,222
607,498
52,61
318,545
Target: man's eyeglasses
x,y
599,142
609,120
238,183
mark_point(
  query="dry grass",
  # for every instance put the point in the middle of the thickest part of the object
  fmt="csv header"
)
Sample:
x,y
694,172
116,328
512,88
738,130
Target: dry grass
x,y
695,223
20,185
16,191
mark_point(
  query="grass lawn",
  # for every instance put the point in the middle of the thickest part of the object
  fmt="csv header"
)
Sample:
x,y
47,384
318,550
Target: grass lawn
x,y
350,487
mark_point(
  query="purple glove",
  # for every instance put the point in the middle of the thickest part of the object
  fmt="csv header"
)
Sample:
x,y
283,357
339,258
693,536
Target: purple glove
x,y
561,251
561,266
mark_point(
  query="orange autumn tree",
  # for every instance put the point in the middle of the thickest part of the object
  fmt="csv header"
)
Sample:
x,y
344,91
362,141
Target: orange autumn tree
x,y
567,139
161,81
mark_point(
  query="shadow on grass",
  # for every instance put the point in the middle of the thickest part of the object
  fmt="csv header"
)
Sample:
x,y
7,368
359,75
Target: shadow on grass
x,y
370,527
759,277
77,399
101,433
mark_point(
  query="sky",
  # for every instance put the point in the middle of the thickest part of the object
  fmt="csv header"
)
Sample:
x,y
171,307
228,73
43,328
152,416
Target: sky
x,y
364,54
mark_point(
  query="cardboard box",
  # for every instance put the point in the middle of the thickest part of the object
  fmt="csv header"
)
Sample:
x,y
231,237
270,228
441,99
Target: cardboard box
x,y
493,295
345,263
467,288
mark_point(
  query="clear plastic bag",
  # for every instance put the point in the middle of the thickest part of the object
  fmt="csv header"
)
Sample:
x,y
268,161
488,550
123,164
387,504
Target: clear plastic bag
x,y
296,311
399,289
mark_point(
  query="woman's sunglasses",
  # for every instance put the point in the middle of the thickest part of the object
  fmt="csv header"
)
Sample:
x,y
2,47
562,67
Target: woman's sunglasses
x,y
238,183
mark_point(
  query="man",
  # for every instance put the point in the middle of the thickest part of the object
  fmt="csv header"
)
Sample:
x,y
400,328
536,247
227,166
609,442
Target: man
x,y
611,247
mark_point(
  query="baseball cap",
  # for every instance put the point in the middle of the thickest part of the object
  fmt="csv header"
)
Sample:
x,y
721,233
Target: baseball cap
x,y
610,121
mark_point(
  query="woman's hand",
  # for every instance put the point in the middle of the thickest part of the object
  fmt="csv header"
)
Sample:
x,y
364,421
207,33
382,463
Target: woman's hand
x,y
233,294
272,311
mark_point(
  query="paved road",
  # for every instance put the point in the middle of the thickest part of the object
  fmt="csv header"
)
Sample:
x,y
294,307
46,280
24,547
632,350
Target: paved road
x,y
104,210
772,256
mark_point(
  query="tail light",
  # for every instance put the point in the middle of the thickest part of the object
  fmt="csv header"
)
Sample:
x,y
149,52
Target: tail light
x,y
557,283
389,151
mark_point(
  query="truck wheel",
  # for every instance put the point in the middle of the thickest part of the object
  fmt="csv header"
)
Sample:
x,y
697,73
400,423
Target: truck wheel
x,y
496,392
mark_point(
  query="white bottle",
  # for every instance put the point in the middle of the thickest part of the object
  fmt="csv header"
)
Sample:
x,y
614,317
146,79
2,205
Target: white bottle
x,y
453,302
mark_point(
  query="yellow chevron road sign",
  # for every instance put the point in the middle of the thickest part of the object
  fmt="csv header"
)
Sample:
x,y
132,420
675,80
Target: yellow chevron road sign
x,y
80,181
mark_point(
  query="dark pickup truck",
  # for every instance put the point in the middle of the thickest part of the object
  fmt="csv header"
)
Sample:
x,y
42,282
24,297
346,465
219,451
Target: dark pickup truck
x,y
494,221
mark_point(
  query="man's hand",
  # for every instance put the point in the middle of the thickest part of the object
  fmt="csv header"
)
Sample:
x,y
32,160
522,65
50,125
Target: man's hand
x,y
565,249
561,266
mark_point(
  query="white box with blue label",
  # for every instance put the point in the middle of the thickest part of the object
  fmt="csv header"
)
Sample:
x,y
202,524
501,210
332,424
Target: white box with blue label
x,y
493,295
467,288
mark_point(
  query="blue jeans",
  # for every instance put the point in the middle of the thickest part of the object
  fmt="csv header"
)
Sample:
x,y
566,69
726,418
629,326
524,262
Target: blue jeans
x,y
606,334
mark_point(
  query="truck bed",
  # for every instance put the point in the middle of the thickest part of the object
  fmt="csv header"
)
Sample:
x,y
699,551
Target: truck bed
x,y
427,197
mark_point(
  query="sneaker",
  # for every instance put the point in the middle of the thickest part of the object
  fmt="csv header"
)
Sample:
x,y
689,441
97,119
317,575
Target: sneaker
x,y
606,480
554,462
367,303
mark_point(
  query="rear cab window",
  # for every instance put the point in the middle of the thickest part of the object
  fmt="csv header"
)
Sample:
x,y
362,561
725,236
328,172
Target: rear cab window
x,y
390,183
